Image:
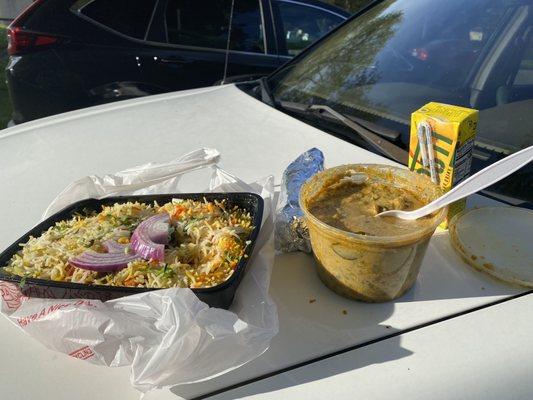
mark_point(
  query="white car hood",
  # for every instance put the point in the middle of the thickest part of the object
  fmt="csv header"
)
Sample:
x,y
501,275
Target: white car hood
x,y
39,158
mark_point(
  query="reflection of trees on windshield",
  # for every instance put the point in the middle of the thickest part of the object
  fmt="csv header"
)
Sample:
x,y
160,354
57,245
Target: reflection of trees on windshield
x,y
401,54
344,67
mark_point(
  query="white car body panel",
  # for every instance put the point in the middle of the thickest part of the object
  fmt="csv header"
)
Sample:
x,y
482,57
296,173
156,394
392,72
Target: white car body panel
x,y
38,159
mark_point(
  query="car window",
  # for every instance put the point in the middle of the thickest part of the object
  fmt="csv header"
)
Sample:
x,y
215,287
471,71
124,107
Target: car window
x,y
130,17
303,24
524,76
204,23
399,55
247,29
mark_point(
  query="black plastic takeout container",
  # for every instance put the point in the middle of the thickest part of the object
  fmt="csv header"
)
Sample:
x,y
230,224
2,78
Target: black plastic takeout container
x,y
220,296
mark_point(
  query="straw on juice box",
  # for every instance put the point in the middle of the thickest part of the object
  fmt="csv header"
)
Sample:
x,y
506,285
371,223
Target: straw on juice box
x,y
431,155
421,133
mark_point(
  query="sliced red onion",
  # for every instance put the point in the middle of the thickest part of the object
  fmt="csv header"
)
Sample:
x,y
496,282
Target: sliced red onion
x,y
112,246
150,237
102,262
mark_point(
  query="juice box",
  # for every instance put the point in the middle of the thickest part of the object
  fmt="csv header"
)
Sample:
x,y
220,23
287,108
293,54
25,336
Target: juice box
x,y
453,134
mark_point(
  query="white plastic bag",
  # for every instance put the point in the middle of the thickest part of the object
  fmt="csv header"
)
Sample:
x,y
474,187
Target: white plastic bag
x,y
168,336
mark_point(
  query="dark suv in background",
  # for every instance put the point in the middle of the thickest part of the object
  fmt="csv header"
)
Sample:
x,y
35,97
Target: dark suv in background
x,y
67,54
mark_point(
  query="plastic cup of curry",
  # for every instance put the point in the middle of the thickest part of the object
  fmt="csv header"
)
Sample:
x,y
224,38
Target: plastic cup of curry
x,y
360,256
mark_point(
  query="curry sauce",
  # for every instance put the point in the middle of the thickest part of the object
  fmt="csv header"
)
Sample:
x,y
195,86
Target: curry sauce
x,y
352,202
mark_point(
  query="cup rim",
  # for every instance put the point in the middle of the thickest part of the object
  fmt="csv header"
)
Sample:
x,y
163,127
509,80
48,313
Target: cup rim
x,y
408,237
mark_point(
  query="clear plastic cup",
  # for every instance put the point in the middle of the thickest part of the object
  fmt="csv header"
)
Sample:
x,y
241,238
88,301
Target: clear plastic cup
x,y
363,267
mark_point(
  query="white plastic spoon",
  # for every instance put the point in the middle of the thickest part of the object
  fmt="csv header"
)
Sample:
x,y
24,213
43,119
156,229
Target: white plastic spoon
x,y
486,177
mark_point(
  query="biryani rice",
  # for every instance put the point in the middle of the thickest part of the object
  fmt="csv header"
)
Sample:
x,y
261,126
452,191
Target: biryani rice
x,y
208,239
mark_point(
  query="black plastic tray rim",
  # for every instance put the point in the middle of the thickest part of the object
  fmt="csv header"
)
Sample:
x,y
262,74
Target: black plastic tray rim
x,y
252,202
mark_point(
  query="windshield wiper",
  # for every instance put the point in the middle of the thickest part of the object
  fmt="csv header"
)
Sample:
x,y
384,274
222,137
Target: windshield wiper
x,y
266,94
373,139
383,146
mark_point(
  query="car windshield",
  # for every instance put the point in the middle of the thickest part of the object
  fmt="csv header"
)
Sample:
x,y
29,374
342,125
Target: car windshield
x,y
399,55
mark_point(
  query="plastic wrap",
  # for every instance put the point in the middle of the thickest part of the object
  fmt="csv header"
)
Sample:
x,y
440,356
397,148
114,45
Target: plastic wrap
x,y
169,336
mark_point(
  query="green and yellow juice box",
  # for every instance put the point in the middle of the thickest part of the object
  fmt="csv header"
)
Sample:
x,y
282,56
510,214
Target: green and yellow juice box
x,y
453,131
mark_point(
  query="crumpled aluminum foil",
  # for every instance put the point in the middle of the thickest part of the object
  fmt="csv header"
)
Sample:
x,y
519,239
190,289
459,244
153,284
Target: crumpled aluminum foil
x,y
291,232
